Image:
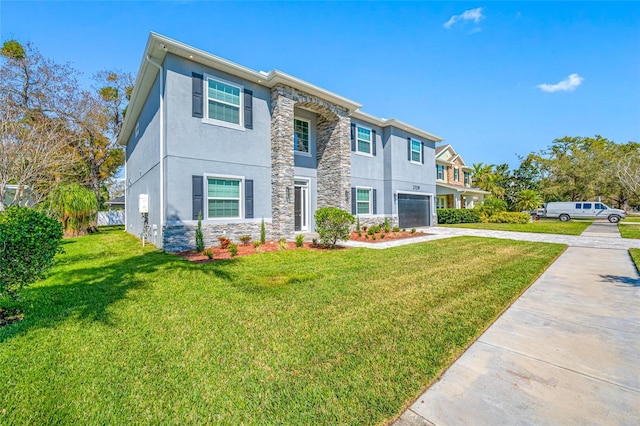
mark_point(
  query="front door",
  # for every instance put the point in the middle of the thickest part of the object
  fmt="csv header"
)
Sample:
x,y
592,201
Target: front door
x,y
301,205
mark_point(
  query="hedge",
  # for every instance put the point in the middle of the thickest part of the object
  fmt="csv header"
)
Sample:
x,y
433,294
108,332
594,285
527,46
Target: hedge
x,y
451,216
509,217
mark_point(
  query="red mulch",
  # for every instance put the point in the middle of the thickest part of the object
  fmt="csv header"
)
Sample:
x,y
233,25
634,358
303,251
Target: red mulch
x,y
389,236
220,254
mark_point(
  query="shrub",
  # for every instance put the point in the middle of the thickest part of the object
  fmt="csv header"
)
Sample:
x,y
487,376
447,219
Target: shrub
x,y
382,236
333,224
282,244
75,206
199,236
491,206
396,229
263,232
450,216
208,253
256,244
387,227
245,239
233,250
509,217
358,225
413,230
314,242
29,241
224,242
299,240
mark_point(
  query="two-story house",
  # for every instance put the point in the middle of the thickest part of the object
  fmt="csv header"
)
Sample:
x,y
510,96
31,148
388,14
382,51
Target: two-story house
x,y
453,181
209,138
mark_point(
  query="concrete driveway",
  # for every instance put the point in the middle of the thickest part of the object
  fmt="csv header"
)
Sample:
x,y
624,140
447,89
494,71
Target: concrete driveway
x,y
566,352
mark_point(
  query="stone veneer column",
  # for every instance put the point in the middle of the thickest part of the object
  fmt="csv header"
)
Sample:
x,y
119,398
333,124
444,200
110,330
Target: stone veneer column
x,y
282,162
334,160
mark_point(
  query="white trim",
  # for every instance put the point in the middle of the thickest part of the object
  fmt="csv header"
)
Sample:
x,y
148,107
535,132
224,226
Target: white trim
x,y
370,189
205,95
371,141
293,142
207,176
412,151
306,200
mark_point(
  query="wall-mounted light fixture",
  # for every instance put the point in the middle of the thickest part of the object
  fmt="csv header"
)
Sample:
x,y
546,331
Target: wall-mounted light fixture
x,y
288,194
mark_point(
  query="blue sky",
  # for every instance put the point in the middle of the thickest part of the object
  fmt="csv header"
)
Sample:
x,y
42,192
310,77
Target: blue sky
x,y
494,79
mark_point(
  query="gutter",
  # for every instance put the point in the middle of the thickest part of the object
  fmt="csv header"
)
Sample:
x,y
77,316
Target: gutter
x,y
161,141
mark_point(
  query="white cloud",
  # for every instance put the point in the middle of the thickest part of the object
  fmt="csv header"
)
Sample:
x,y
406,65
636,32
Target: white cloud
x,y
474,15
568,85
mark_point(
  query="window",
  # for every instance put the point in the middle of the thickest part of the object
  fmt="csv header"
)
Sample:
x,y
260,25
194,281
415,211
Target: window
x,y
600,206
223,198
363,143
439,172
300,135
441,202
578,205
467,180
456,174
586,206
363,200
416,151
223,101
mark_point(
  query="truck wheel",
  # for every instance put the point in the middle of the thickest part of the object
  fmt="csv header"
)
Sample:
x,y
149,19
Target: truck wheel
x,y
614,218
564,218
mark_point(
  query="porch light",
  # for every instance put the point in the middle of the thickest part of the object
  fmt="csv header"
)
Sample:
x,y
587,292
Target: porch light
x,y
288,194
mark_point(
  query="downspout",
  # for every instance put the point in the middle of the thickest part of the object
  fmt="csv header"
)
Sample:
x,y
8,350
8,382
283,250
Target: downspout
x,y
161,78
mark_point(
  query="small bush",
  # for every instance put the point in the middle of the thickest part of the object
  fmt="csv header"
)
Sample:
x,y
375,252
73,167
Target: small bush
x,y
382,236
509,217
299,240
208,252
491,206
387,227
333,224
396,229
233,250
199,236
245,239
358,225
263,232
451,216
224,242
314,242
282,244
256,244
29,241
413,230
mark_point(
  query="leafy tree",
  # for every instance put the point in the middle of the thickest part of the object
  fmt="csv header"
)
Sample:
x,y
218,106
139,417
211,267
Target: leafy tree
x,y
75,206
333,224
29,241
528,199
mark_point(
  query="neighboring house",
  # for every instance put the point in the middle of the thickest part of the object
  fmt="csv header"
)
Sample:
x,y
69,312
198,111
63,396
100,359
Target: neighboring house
x,y
453,181
205,136
25,198
115,203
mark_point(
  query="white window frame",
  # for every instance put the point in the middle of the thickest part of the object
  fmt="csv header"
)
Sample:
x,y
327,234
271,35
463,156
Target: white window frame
x,y
304,226
205,95
419,152
240,196
442,198
371,141
466,178
370,190
456,171
444,172
295,151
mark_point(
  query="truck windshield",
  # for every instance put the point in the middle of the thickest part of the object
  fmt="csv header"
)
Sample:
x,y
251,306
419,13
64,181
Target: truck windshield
x,y
600,206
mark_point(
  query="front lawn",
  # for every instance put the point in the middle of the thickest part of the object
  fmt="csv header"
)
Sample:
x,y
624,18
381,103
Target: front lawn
x,y
120,334
543,226
634,219
629,231
635,255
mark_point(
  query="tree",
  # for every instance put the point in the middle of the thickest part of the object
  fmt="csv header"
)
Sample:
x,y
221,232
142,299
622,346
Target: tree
x,y
75,207
627,168
527,200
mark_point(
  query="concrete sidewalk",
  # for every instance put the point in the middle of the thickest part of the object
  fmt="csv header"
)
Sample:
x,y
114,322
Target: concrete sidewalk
x,y
566,352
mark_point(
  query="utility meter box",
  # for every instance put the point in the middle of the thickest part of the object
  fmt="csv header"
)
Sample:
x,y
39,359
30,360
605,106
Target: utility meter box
x,y
143,203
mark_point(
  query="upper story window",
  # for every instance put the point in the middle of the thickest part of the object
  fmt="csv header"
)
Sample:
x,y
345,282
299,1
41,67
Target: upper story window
x,y
223,198
439,172
363,143
223,101
456,174
416,151
363,200
467,178
300,135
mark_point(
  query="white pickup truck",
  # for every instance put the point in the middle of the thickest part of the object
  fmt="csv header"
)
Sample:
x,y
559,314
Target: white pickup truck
x,y
567,210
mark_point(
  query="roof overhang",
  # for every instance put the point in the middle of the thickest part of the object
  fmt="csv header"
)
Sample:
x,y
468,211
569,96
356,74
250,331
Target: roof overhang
x,y
462,189
392,122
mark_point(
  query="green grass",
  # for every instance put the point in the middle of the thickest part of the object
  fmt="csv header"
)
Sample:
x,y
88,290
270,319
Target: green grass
x,y
635,255
633,219
121,334
629,231
542,226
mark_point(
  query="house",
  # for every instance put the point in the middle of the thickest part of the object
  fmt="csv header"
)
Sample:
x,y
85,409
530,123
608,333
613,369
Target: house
x,y
115,203
18,195
209,138
453,181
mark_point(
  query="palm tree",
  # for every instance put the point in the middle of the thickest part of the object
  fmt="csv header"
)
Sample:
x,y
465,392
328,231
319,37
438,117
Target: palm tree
x,y
528,200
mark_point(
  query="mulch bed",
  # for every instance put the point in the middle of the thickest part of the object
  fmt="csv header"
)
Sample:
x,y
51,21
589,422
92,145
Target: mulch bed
x,y
9,316
388,236
221,254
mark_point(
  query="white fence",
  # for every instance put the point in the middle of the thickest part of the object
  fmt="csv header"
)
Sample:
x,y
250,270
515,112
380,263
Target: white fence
x,y
111,218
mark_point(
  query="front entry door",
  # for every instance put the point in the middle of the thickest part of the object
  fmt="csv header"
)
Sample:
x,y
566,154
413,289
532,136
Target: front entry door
x,y
301,206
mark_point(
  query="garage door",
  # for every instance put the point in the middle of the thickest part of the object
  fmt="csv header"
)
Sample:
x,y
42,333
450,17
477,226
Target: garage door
x,y
413,210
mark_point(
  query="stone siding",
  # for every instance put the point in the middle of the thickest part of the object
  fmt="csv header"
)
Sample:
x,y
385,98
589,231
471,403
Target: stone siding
x,y
183,237
368,221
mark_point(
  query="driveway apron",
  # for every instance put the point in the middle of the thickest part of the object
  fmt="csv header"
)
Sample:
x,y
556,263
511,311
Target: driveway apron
x,y
566,352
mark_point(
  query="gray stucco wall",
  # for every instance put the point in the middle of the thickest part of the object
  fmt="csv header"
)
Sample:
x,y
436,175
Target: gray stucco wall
x,y
368,170
142,166
195,147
